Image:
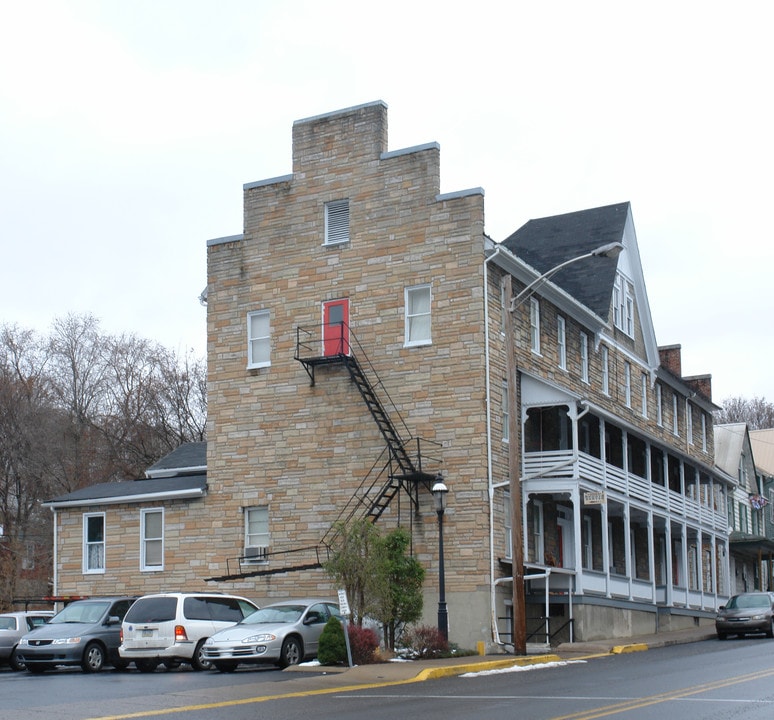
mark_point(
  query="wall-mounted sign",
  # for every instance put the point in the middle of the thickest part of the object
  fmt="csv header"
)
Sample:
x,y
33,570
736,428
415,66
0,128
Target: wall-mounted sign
x,y
594,498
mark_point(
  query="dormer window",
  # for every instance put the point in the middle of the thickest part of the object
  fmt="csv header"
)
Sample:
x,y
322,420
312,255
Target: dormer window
x,y
623,306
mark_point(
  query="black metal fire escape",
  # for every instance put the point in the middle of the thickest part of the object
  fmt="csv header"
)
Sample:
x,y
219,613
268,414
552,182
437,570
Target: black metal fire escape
x,y
399,466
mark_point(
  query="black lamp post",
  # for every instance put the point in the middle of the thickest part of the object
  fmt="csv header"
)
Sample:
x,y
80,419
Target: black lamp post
x,y
439,497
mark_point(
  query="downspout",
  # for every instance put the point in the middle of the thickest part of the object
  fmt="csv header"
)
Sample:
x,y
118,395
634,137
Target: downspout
x,y
55,588
490,487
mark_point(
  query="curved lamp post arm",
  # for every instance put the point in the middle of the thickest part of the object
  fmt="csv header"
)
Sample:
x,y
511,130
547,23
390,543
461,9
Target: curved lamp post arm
x,y
608,250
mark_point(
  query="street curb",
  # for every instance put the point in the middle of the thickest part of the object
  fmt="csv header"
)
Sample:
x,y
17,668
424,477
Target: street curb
x,y
633,647
452,670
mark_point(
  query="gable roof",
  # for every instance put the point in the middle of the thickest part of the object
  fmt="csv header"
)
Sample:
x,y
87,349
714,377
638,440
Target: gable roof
x,y
189,457
762,442
182,474
546,242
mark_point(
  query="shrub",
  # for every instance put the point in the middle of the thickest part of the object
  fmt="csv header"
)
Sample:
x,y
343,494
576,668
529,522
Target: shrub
x,y
424,642
363,642
332,649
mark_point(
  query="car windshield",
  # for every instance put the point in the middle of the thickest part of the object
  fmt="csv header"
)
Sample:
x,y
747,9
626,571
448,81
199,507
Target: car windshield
x,y
748,601
7,623
275,614
81,612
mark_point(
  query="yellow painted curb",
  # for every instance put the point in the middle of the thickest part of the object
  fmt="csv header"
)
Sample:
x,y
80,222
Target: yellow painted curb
x,y
452,670
634,647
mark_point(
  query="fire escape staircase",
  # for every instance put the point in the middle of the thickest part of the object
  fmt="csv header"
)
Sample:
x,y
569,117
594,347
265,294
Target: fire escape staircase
x,y
399,466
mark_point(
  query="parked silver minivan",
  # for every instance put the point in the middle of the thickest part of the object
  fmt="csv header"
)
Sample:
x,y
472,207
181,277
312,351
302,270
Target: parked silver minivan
x,y
171,628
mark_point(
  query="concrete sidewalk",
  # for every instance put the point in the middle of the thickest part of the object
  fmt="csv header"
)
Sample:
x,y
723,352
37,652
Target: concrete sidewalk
x,y
419,670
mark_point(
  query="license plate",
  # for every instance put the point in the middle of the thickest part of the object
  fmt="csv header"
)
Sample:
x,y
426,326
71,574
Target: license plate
x,y
146,633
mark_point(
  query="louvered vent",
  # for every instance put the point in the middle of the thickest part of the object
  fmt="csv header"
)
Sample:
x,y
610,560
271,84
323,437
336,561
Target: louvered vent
x,y
336,222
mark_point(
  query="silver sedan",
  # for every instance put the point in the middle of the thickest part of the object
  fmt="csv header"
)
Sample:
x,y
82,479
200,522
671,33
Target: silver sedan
x,y
283,634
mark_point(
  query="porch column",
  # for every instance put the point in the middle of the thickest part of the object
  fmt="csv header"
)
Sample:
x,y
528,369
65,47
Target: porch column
x,y
605,546
575,499
652,556
669,570
628,546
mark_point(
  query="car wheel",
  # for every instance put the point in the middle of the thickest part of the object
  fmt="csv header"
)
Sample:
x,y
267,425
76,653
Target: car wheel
x,y
227,667
171,664
198,661
146,666
120,665
38,668
291,652
770,631
722,635
93,658
15,662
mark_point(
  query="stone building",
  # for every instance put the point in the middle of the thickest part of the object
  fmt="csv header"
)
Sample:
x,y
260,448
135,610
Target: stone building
x,y
365,336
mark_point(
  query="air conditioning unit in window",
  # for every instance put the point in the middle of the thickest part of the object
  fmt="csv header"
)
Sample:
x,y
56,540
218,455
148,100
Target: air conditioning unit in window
x,y
255,554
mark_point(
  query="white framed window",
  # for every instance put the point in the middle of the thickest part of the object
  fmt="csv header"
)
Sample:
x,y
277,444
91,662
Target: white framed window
x,y
534,325
675,426
94,543
258,339
623,306
689,422
538,540
152,539
417,304
561,341
704,432
506,412
587,540
605,370
256,534
584,357
644,394
659,406
628,383
336,222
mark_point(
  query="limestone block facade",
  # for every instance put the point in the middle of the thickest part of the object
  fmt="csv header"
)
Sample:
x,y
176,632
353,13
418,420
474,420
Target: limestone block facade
x,y
358,322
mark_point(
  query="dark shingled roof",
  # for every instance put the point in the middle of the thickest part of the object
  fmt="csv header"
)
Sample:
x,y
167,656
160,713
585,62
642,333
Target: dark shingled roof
x,y
188,455
130,488
546,242
190,459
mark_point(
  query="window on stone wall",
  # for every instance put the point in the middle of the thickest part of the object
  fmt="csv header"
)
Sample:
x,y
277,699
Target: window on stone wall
x,y
534,325
584,357
258,339
152,539
256,534
336,222
605,370
561,342
94,543
417,326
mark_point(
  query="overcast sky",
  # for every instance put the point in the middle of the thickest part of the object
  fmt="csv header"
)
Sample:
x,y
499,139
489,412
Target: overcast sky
x,y
128,128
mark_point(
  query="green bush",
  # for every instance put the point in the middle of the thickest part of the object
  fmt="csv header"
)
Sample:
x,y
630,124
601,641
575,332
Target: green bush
x,y
332,649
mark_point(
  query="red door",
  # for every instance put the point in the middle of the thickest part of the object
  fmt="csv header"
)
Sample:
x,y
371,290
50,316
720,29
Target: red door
x,y
336,327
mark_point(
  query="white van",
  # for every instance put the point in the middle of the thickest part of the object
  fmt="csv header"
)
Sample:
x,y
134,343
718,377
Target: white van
x,y
171,628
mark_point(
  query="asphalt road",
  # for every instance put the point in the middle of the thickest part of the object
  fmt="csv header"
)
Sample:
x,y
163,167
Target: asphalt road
x,y
700,681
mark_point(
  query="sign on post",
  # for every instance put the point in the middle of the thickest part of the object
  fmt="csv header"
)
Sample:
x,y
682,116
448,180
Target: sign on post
x,y
345,613
594,498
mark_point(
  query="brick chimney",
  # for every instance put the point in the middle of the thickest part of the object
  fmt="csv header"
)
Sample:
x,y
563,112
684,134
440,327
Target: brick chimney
x,y
671,359
702,384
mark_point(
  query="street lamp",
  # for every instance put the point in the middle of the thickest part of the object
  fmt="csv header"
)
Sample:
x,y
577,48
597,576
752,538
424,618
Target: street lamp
x,y
519,630
611,250
439,498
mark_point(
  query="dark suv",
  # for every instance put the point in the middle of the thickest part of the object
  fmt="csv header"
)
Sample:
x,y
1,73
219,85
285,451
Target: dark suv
x,y
85,633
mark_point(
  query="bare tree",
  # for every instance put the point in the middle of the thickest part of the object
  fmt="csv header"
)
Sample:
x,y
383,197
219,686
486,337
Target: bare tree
x,y
27,427
757,413
78,408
